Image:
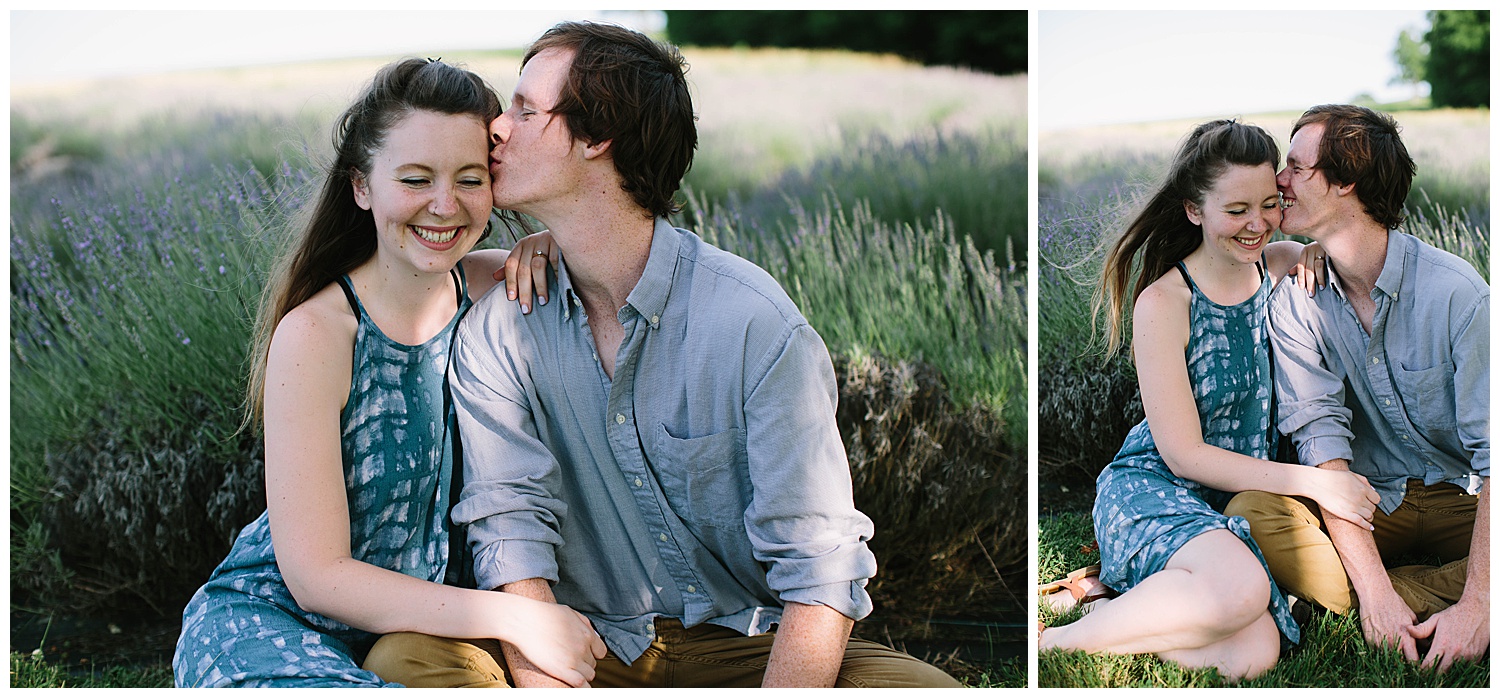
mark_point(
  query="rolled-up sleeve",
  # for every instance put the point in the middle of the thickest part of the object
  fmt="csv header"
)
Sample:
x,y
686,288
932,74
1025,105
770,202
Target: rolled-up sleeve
x,y
1310,401
1471,382
507,503
801,519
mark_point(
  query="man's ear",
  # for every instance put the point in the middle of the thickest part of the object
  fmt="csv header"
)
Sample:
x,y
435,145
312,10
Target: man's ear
x,y
361,189
1193,214
1345,189
597,149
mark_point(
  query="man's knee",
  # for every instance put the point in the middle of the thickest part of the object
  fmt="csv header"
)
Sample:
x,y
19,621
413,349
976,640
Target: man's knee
x,y
873,665
1264,507
425,661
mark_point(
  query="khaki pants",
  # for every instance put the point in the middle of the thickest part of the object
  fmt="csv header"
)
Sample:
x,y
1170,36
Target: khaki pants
x,y
1435,521
705,656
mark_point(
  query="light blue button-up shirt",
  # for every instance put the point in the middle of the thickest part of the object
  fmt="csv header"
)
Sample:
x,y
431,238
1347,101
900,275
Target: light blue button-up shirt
x,y
706,482
1411,399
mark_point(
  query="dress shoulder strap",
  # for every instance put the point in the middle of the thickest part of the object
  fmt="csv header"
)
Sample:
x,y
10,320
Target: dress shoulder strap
x,y
1182,269
349,293
460,282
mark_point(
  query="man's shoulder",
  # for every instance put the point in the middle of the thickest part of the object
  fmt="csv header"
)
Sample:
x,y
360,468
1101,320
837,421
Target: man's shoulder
x,y
731,280
1437,270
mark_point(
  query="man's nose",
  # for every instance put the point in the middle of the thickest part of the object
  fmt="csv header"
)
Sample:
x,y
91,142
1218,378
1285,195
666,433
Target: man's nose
x,y
499,130
1284,178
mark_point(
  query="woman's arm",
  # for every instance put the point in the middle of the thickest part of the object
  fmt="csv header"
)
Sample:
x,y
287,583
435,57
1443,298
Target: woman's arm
x,y
307,380
1160,340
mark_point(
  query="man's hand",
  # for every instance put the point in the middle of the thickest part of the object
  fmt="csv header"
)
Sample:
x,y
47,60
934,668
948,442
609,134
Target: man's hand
x,y
1388,622
1461,631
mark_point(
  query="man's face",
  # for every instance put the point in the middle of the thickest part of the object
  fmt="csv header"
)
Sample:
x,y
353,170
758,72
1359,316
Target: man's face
x,y
1309,198
533,159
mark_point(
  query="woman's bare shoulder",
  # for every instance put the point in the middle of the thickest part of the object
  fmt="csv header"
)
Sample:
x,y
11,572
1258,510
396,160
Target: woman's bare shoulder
x,y
321,323
1165,296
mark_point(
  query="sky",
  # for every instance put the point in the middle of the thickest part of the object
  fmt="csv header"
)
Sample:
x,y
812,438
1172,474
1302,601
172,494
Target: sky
x,y
1096,68
1090,67
51,46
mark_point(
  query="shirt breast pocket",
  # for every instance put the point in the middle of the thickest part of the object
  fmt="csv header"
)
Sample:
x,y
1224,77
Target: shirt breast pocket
x,y
1428,396
705,477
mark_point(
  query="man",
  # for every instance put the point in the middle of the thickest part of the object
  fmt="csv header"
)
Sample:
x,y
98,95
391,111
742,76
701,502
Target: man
x,y
1384,372
656,448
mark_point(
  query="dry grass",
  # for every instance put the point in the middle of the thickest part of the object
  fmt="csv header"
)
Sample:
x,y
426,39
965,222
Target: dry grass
x,y
1454,139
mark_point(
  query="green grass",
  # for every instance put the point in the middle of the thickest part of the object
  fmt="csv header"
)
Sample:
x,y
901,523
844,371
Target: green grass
x,y
34,671
1332,652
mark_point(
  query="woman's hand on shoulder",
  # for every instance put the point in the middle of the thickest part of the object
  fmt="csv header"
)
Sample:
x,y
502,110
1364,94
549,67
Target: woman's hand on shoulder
x,y
523,269
1306,264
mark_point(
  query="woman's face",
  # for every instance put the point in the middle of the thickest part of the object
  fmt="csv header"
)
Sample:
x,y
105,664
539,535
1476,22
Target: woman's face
x,y
1239,213
429,190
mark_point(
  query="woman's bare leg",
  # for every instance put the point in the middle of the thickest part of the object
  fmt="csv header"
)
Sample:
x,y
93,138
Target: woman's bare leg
x,y
1245,654
1211,591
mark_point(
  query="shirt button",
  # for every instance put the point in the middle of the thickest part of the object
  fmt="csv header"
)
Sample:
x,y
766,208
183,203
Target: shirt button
x,y
691,589
1374,359
655,319
663,537
637,482
619,419
1388,403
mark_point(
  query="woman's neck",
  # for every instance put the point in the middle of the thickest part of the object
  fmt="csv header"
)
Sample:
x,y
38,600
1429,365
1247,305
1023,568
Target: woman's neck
x,y
1225,280
408,306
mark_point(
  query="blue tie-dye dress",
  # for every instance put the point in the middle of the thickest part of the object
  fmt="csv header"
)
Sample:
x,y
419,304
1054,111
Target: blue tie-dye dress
x,y
1142,512
243,628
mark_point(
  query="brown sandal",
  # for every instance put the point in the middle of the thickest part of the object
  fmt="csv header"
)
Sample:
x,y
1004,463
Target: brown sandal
x,y
1072,583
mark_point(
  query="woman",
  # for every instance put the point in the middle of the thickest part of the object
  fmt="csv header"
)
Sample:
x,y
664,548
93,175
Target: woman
x,y
1194,588
351,388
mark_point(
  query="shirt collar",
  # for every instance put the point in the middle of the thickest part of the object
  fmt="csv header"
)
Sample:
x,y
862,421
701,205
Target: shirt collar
x,y
1391,273
649,297
570,298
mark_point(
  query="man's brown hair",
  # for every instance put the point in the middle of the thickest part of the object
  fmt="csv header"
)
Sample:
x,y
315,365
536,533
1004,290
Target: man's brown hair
x,y
625,88
1363,147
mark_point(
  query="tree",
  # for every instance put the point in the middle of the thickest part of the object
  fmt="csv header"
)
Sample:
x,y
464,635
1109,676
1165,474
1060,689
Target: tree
x,y
1411,57
989,40
1458,59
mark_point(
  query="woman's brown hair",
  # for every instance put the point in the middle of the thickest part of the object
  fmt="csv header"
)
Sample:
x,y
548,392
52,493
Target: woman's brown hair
x,y
1161,234
338,235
